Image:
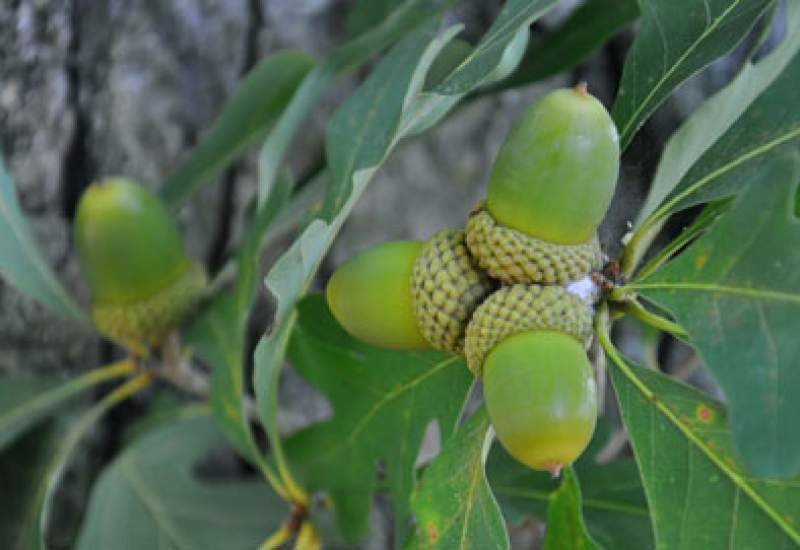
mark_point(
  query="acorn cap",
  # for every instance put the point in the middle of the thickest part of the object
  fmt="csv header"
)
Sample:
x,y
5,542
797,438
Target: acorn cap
x,y
447,286
128,244
370,296
143,324
523,308
541,397
554,177
515,257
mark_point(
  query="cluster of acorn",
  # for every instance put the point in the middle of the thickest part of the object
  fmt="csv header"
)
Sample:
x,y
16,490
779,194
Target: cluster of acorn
x,y
502,292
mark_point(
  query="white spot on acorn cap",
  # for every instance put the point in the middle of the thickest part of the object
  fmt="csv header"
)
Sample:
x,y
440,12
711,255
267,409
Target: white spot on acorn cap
x,y
585,289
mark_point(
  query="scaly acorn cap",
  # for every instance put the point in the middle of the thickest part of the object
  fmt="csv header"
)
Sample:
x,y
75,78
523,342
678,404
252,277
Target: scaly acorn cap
x,y
143,324
132,256
447,286
523,308
516,257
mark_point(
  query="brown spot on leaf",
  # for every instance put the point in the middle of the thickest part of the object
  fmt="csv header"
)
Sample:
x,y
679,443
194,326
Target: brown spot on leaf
x,y
700,261
704,414
433,532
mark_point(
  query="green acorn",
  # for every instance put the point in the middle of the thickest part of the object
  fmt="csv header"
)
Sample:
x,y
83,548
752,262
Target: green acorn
x,y
550,187
143,283
528,343
370,296
409,295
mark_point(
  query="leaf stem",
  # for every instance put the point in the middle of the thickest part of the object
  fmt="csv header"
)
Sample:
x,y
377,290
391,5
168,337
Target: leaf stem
x,y
635,309
41,402
276,539
639,244
74,436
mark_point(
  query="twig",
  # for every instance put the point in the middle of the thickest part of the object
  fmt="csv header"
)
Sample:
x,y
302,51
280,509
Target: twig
x,y
633,307
177,369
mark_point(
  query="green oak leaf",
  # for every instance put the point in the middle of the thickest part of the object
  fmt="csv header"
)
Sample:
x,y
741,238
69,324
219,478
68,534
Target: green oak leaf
x,y
454,506
587,28
713,119
21,263
488,54
383,402
736,291
253,109
565,525
25,400
699,495
217,336
218,333
614,506
150,497
388,27
676,39
22,467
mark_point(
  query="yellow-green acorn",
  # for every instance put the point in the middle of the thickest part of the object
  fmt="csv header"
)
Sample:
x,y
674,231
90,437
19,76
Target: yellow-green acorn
x,y
142,281
528,343
550,187
541,397
370,296
409,295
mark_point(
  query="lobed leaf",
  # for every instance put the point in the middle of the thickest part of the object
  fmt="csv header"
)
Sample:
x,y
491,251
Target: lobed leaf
x,y
736,291
676,39
699,495
454,505
151,497
383,402
21,263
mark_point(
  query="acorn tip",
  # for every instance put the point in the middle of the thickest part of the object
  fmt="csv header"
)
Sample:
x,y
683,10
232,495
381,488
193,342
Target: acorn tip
x,y
582,88
555,470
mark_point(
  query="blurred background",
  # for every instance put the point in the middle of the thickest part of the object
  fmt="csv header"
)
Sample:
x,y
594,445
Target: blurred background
x,y
90,89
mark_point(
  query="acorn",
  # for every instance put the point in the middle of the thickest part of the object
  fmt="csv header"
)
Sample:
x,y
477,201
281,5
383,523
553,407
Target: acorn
x,y
541,397
528,343
550,187
410,295
370,296
142,281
